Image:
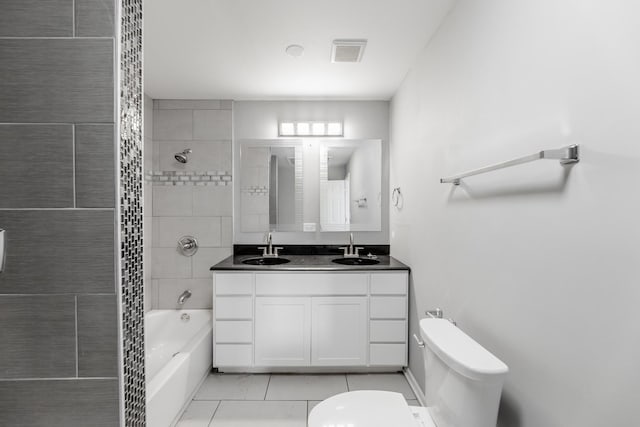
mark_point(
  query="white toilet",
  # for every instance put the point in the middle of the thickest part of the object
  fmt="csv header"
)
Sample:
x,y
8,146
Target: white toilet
x,y
463,386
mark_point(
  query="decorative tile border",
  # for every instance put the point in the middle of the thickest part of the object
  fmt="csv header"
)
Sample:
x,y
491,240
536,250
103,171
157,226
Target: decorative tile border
x,y
130,221
177,178
256,190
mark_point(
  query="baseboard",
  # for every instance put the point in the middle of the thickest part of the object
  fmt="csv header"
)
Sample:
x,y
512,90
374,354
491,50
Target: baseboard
x,y
414,386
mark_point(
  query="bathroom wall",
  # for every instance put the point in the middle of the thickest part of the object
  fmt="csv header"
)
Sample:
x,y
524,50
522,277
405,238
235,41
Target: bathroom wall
x,y
362,120
58,315
539,262
192,199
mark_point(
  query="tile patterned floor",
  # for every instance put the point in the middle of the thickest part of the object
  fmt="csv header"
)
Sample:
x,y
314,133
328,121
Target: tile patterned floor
x,y
276,400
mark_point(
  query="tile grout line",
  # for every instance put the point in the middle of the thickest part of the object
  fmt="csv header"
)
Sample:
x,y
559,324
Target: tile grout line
x,y
266,391
73,18
73,163
77,357
215,411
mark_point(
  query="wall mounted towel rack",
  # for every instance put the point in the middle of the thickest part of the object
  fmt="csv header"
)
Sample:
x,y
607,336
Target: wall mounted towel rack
x,y
566,155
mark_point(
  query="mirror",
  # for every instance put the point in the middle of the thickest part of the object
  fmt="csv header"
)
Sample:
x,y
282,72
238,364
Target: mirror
x,y
270,186
350,185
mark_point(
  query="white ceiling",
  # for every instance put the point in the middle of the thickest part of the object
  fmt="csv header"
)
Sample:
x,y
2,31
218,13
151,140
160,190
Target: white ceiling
x,y
234,49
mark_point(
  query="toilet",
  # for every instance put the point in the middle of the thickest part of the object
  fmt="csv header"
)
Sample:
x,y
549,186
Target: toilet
x,y
463,386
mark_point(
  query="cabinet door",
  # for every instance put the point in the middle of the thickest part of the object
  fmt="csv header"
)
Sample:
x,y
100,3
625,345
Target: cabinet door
x,y
339,331
282,329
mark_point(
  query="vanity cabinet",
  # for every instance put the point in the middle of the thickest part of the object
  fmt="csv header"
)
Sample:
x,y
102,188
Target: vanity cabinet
x,y
300,320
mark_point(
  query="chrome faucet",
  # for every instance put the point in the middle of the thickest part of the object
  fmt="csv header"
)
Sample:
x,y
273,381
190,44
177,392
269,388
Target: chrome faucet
x,y
184,296
351,251
269,250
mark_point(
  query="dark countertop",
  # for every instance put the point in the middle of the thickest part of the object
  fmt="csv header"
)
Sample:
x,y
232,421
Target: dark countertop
x,y
307,263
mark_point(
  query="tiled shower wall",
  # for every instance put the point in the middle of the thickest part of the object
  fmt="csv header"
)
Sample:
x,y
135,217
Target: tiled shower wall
x,y
192,199
58,315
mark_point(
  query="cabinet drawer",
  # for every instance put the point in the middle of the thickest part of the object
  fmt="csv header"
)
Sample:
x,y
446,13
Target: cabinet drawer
x,y
312,284
388,354
234,355
234,331
388,307
233,283
388,283
387,331
233,308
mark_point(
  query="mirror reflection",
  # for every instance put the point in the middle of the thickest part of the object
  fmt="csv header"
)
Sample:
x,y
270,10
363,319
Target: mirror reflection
x,y
350,185
270,187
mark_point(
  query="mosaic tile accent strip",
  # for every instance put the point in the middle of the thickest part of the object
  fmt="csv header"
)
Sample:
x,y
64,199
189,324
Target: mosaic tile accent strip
x,y
256,190
130,213
169,178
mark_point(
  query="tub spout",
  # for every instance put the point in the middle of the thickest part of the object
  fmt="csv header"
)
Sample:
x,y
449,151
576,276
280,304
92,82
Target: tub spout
x,y
184,296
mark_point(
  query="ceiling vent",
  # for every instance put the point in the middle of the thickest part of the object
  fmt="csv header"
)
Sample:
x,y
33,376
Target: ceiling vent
x,y
348,50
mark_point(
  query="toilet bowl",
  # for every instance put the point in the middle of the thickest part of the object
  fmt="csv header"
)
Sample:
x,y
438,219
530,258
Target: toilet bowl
x,y
368,408
463,384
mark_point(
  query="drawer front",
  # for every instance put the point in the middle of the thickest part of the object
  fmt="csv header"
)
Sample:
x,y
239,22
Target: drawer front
x,y
388,307
233,308
388,331
234,331
389,283
312,284
388,355
234,355
233,283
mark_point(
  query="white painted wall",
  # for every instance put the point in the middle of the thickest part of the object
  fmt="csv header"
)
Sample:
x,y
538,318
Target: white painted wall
x,y
362,120
540,264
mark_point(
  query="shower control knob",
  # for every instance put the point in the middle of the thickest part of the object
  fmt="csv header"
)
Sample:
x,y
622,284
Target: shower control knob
x,y
188,245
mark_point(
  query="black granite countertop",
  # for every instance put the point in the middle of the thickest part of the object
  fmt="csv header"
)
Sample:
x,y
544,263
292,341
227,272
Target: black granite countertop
x,y
307,263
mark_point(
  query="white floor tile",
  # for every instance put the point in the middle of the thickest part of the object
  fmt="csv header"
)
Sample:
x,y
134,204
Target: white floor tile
x,y
233,387
260,414
385,382
305,387
198,414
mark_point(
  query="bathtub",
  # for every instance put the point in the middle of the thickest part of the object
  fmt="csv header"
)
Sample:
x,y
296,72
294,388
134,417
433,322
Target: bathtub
x,y
178,358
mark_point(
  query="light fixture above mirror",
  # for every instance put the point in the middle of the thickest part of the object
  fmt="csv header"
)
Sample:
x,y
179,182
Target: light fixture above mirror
x,y
310,128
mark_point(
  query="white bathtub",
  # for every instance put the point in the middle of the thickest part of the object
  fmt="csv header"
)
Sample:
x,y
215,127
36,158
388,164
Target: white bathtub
x,y
178,358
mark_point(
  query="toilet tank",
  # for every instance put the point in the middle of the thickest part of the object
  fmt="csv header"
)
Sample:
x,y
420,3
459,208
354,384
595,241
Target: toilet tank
x,y
463,380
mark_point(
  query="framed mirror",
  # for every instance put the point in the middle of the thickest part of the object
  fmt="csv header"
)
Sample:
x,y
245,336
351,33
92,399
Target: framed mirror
x,y
271,177
351,185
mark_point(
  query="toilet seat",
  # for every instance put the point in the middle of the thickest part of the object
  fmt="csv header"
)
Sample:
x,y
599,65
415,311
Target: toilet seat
x,y
368,408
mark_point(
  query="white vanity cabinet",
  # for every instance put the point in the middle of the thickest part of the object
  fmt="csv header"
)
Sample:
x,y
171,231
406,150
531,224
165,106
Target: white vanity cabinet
x,y
313,320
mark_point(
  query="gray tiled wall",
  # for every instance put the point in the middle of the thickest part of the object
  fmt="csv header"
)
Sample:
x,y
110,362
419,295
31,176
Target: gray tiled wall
x,y
58,316
190,199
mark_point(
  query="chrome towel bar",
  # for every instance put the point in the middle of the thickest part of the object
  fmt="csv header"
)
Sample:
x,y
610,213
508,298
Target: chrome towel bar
x,y
566,155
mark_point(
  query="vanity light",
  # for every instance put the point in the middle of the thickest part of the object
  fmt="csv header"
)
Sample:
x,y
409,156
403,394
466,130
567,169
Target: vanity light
x,y
318,129
334,129
287,129
303,128
308,128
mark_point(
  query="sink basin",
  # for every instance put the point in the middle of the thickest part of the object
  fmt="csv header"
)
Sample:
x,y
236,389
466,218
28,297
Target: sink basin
x,y
355,261
266,261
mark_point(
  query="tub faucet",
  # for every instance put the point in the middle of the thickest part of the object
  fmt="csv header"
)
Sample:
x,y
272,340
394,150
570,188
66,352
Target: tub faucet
x,y
184,296
351,251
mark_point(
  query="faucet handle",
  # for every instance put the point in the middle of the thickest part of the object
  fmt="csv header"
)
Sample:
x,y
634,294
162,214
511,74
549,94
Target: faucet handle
x,y
356,250
264,250
345,249
275,250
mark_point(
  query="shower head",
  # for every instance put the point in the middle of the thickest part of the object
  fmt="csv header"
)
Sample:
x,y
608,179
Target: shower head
x,y
183,157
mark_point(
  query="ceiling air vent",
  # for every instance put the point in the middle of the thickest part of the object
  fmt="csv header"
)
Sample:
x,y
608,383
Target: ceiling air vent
x,y
347,50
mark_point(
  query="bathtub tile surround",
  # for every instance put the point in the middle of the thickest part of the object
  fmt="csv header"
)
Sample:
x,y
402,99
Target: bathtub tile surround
x,y
58,320
276,400
192,198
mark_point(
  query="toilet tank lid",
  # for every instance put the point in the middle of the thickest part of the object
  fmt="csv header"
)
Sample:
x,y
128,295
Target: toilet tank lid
x,y
459,351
